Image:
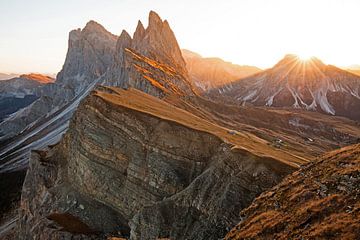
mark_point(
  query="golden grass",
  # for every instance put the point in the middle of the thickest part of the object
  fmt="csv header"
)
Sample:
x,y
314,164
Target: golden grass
x,y
139,101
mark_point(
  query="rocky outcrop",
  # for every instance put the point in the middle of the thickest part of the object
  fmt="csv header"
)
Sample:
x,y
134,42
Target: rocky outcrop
x,y
209,73
320,201
89,55
132,165
151,61
295,83
158,42
90,52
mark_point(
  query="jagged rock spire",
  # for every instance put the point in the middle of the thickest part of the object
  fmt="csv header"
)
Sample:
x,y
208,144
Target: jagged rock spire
x,y
140,31
136,60
124,40
154,20
159,42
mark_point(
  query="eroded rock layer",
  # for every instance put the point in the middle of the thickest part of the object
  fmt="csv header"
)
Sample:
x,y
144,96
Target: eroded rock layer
x,y
132,165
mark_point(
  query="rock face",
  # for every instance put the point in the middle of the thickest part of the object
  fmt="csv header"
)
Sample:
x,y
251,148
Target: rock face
x,y
132,165
151,61
295,83
320,201
90,52
209,73
158,42
89,55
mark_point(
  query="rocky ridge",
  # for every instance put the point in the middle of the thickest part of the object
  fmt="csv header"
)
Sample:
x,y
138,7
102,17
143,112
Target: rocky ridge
x,y
209,73
90,51
19,92
143,161
320,201
140,165
299,84
95,56
151,61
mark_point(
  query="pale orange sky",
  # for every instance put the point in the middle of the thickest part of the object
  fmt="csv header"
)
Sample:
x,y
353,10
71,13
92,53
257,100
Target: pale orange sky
x,y
253,32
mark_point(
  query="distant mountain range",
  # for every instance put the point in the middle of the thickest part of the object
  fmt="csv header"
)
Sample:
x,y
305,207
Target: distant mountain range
x,y
294,83
354,71
19,92
5,76
209,73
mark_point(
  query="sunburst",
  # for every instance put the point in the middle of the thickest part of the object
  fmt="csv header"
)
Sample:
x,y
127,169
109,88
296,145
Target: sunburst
x,y
304,57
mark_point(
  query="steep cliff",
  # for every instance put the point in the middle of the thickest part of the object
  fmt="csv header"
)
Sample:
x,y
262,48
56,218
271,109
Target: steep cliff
x,y
90,52
135,166
320,201
151,61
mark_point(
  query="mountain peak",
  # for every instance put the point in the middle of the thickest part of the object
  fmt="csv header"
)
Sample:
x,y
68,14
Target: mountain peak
x,y
301,83
154,19
140,31
124,41
142,61
288,59
38,77
290,56
90,52
93,25
190,54
124,35
159,42
294,61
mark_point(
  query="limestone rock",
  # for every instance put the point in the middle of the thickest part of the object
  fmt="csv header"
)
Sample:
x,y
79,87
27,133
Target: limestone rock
x,y
90,52
151,62
162,171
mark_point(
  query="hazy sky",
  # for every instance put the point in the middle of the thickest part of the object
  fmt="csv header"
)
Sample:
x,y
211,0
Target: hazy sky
x,y
255,32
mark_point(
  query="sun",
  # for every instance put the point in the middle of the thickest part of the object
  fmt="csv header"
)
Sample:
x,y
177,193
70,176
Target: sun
x,y
304,57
